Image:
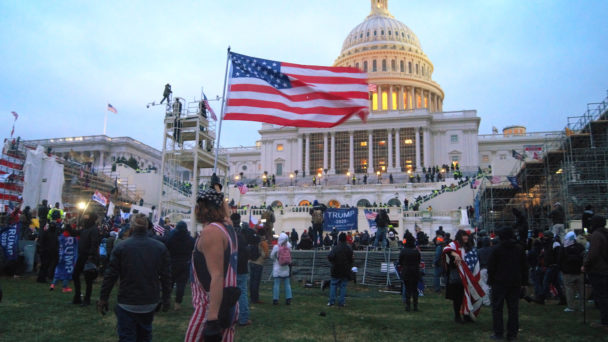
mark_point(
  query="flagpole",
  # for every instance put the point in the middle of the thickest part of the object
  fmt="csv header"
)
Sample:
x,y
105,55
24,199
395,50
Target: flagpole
x,y
105,122
219,132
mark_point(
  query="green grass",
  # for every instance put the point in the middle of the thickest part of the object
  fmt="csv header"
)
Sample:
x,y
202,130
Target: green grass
x,y
29,312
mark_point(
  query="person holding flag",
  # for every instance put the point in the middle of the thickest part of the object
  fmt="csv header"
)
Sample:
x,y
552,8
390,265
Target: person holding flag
x,y
463,270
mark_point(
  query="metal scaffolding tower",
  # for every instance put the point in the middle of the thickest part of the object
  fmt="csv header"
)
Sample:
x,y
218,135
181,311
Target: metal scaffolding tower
x,y
188,148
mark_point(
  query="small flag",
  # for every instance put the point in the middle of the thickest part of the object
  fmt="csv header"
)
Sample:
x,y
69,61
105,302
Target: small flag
x,y
253,222
209,107
15,115
159,229
242,188
99,198
112,109
513,181
517,155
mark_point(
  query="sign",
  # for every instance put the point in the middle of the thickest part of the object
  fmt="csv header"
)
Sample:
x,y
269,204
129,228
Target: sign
x,y
371,220
68,254
341,219
9,242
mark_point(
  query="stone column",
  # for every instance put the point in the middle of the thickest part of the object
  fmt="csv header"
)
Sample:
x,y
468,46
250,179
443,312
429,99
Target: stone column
x,y
325,154
332,164
299,151
427,146
351,153
418,168
307,155
389,134
397,151
400,99
370,153
412,100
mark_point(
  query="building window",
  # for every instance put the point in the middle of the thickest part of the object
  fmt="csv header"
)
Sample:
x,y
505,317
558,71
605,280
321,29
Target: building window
x,y
279,147
363,143
279,169
454,138
367,33
402,68
384,65
374,66
375,101
365,66
361,35
375,33
455,159
409,67
389,33
244,168
382,32
393,65
485,158
503,156
384,100
394,103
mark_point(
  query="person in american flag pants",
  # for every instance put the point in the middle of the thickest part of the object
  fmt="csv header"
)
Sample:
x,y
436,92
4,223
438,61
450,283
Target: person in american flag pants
x,y
463,277
214,267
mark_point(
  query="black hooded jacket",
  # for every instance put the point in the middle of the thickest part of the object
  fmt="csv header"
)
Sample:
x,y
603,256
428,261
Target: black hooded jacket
x,y
507,265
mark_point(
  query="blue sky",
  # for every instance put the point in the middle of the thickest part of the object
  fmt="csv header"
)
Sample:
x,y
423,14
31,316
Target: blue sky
x,y
532,63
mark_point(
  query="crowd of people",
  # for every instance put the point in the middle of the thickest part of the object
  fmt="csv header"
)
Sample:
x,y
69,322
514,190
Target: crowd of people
x,y
225,263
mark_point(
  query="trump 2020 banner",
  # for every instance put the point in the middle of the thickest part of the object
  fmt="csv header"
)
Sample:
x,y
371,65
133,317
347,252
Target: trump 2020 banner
x,y
68,254
341,219
9,242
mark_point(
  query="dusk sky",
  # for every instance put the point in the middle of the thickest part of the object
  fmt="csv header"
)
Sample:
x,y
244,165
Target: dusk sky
x,y
531,63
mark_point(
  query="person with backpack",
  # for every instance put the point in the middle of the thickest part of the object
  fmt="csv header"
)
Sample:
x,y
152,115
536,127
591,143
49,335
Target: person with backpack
x,y
570,264
596,266
341,259
382,221
281,256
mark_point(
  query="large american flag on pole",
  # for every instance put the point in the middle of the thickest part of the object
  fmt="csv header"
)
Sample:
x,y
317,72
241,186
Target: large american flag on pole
x,y
289,94
469,271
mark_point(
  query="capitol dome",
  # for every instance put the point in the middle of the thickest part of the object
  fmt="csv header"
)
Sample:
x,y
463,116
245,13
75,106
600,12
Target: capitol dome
x,y
391,54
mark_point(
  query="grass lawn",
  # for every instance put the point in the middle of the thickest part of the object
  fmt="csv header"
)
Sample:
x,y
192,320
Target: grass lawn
x,y
29,312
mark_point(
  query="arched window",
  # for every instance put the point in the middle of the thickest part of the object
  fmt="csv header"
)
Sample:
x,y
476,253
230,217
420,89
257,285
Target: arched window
x,y
363,203
409,67
402,68
357,65
333,204
384,65
304,203
374,66
365,66
393,65
276,204
393,202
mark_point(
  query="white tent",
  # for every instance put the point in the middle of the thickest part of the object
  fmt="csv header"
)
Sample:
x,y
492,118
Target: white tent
x,y
43,179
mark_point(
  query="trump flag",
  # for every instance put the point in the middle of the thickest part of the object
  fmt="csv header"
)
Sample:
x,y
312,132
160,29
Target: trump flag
x,y
297,95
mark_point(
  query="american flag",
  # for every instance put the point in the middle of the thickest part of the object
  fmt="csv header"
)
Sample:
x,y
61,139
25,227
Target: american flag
x,y
158,228
294,95
242,188
517,155
209,107
470,275
370,215
15,115
112,109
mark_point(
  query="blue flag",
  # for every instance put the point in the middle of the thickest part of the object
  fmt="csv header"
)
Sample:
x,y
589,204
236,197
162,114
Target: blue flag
x,y
10,242
68,254
341,219
513,181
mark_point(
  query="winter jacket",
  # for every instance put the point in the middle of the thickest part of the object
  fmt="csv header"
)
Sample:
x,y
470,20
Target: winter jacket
x,y
587,215
88,244
341,258
571,259
597,258
484,256
507,265
279,271
243,255
409,259
180,245
140,262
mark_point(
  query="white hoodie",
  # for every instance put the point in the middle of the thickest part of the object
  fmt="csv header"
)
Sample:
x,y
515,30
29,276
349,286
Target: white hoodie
x,y
279,271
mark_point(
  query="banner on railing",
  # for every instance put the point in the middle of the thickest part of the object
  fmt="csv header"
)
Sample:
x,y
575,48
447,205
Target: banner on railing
x,y
371,220
341,219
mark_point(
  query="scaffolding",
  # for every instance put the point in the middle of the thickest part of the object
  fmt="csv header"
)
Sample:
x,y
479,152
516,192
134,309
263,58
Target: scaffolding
x,y
188,148
572,170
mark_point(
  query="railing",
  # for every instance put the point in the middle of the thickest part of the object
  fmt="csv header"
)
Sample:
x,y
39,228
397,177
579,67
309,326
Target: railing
x,y
499,136
95,139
